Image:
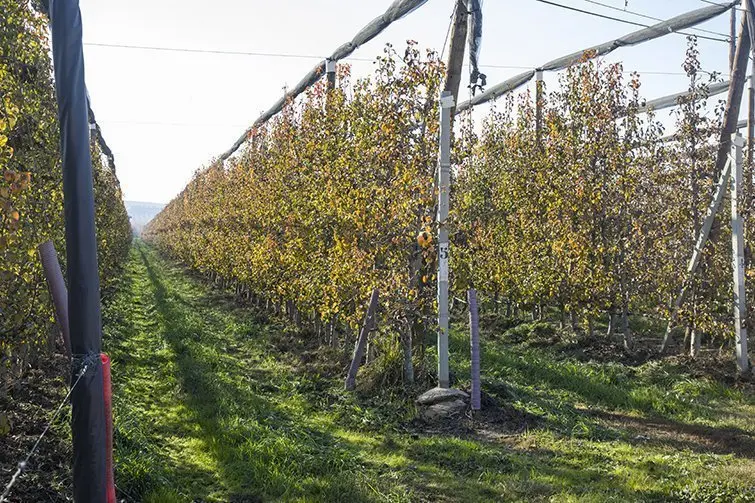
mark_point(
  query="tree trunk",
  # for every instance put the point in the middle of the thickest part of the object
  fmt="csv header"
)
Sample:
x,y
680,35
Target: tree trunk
x,y
574,321
687,335
694,343
627,333
611,324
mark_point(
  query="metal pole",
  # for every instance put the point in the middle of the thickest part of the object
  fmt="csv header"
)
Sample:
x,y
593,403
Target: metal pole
x,y
474,339
738,260
87,398
444,187
330,72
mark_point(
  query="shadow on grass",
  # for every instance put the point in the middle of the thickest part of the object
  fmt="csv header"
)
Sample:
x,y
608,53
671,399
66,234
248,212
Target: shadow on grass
x,y
260,447
561,389
450,469
694,437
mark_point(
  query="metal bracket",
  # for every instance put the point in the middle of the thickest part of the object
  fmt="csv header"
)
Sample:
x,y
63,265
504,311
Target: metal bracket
x,y
738,140
447,101
330,66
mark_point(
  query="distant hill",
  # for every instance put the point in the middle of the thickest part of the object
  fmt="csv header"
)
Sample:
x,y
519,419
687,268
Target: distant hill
x,y
141,213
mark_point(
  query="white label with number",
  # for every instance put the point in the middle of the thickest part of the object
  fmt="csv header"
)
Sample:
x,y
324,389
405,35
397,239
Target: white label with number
x,y
443,262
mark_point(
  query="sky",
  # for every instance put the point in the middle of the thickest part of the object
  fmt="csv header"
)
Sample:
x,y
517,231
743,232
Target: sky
x,y
167,114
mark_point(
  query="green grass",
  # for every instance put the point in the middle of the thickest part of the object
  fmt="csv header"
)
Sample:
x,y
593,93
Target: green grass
x,y
208,410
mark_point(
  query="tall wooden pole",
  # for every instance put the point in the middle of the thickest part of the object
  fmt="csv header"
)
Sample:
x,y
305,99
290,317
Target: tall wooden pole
x,y
455,62
732,39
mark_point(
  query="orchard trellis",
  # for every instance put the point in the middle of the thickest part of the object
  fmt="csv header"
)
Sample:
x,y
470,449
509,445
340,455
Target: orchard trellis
x,y
371,155
325,288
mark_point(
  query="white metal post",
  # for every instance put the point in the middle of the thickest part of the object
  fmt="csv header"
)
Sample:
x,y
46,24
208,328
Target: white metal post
x,y
738,259
444,187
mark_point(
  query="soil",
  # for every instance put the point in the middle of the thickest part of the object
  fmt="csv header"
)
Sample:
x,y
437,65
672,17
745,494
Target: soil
x,y
28,408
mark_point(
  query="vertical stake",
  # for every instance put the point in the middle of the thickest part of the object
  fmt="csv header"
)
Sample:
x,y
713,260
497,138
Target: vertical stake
x,y
361,344
444,188
737,246
474,339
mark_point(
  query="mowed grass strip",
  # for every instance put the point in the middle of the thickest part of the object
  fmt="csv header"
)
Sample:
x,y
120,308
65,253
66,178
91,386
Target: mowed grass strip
x,y
207,409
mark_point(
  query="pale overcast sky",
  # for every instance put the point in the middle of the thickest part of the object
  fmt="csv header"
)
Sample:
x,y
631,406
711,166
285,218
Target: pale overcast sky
x,y
166,114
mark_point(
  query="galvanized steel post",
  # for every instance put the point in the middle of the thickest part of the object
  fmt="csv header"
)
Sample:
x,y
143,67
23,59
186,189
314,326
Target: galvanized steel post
x,y
444,188
738,259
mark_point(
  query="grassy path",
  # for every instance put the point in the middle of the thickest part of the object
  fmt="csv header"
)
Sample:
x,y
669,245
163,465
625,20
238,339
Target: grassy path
x,y
208,410
219,418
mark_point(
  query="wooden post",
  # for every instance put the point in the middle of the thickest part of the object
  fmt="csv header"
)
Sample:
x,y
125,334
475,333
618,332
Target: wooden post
x,y
444,188
732,39
738,260
367,326
58,291
474,339
455,61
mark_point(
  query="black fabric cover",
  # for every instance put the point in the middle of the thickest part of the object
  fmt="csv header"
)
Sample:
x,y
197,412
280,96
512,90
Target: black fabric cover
x,y
477,80
88,421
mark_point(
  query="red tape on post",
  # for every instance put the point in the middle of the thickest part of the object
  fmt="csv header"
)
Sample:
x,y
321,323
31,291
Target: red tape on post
x,y
107,390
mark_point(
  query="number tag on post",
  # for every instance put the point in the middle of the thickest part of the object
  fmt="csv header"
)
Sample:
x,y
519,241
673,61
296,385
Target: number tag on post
x,y
443,263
